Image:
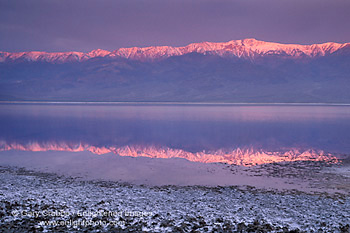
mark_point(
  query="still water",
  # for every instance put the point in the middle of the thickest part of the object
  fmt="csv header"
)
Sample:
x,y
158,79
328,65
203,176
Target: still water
x,y
190,128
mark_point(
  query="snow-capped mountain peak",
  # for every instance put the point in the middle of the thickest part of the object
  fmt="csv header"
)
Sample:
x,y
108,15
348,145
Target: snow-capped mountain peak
x,y
98,53
247,49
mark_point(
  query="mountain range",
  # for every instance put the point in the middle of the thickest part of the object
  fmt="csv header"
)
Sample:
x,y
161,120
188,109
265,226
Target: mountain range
x,y
246,70
247,49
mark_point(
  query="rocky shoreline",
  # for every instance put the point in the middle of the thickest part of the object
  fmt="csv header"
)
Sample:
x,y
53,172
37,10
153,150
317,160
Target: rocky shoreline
x,y
45,202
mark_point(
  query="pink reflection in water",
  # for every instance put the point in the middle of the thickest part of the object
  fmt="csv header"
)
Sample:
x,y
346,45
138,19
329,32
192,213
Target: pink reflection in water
x,y
238,156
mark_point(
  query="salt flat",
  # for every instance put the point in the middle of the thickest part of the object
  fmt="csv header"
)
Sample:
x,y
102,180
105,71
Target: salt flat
x,y
46,202
75,191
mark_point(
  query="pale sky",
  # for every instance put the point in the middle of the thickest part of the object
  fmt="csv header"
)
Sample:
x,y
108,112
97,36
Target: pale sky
x,y
84,25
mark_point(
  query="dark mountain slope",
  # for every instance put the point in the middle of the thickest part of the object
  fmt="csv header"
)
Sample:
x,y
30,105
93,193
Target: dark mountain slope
x,y
191,77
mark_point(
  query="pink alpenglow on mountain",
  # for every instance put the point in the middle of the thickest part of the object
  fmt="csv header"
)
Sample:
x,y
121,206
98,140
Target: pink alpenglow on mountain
x,y
247,49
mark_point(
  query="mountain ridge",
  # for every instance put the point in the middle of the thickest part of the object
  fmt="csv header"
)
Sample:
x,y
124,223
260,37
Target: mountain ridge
x,y
249,49
244,71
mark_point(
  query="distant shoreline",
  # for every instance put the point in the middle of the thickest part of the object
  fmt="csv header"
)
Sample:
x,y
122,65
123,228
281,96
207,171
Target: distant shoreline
x,y
167,103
